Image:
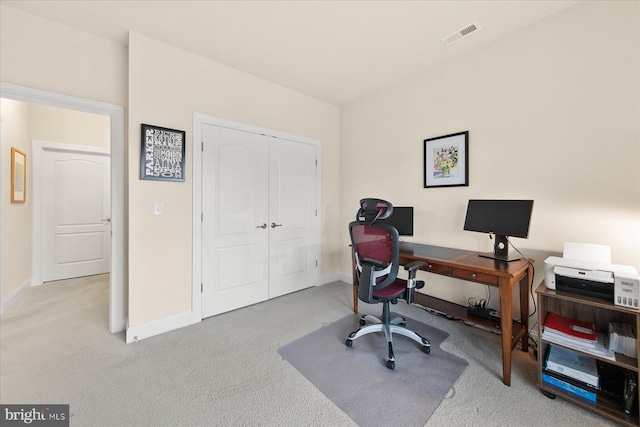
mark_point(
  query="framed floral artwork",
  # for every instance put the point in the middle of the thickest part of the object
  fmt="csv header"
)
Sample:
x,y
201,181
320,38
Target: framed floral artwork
x,y
18,176
446,160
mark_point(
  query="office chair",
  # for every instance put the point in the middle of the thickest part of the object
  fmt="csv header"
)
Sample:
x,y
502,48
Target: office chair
x,y
377,254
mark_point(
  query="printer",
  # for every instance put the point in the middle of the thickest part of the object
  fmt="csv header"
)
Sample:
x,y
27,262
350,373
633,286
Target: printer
x,y
619,284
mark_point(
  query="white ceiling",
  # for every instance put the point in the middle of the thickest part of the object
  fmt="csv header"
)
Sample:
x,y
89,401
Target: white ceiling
x,y
337,51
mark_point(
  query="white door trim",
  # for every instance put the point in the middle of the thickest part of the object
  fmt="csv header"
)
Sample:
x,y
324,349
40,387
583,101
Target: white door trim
x,y
1,219
117,296
198,121
38,149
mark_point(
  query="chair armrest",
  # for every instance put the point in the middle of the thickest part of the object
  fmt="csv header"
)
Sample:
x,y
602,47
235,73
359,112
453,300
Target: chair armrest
x,y
413,267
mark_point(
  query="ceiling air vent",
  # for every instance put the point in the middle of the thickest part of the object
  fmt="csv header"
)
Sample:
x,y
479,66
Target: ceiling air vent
x,y
452,38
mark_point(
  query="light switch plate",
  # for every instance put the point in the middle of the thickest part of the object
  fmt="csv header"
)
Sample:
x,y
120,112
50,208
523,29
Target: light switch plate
x,y
158,208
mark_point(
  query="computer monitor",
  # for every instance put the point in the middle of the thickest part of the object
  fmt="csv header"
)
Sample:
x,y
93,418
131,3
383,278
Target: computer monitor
x,y
503,218
402,220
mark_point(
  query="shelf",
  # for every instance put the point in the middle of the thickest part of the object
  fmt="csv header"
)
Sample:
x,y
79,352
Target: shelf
x,y
600,312
603,405
460,312
620,360
583,299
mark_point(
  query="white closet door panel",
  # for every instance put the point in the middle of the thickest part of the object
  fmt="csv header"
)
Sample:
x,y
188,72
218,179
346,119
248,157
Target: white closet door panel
x,y
293,248
234,245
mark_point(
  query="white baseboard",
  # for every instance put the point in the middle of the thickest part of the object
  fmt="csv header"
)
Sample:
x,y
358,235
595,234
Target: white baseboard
x,y
157,327
11,298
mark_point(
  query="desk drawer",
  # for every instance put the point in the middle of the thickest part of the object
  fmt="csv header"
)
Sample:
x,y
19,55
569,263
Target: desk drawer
x,y
436,268
474,276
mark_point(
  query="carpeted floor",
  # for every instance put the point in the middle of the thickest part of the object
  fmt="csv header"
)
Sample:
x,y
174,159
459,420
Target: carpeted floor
x,y
226,371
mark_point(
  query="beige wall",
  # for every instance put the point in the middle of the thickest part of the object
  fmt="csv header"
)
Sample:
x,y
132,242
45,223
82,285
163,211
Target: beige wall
x,y
42,54
552,112
553,115
160,246
62,126
23,123
16,227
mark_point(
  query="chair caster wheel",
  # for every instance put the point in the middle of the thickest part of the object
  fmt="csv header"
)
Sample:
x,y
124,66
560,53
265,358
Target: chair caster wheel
x,y
426,349
391,364
362,322
349,342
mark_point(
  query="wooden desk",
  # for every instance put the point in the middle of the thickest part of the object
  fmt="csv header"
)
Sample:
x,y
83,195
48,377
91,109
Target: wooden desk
x,y
468,265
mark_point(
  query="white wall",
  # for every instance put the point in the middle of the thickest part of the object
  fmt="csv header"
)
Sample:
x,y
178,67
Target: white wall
x,y
553,115
160,258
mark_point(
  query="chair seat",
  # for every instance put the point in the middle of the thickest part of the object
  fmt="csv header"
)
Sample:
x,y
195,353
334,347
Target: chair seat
x,y
394,290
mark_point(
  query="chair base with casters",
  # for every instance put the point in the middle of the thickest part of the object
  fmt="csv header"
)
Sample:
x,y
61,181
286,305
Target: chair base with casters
x,y
389,327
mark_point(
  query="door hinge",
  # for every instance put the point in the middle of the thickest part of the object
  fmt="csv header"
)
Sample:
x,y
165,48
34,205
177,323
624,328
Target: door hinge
x,y
202,146
201,287
316,162
201,216
316,263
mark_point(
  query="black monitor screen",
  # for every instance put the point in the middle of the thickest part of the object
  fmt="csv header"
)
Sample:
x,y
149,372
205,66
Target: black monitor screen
x,y
402,220
500,217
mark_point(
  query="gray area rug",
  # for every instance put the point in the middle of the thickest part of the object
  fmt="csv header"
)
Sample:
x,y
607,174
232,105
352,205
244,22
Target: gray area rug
x,y
357,380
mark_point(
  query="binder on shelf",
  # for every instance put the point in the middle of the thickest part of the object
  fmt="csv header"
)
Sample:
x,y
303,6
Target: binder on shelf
x,y
565,385
570,380
572,364
570,328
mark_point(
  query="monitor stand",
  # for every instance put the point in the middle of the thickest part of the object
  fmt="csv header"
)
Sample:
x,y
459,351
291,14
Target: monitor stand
x,y
501,250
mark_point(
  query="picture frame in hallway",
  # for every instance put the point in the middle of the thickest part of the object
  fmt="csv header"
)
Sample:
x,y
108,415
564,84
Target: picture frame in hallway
x,y
18,176
162,155
446,160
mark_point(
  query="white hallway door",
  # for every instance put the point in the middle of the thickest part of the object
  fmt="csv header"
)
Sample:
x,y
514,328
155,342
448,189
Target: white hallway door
x,y
260,233
77,229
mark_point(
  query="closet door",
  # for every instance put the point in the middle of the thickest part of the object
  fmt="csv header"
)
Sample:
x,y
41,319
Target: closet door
x,y
235,232
293,226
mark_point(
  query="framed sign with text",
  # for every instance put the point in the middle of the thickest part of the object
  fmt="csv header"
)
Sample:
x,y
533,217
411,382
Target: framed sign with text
x,y
162,155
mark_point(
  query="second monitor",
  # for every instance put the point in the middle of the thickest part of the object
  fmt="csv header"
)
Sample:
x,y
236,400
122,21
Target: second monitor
x,y
402,220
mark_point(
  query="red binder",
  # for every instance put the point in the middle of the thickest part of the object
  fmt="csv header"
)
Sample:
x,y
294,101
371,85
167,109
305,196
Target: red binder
x,y
570,327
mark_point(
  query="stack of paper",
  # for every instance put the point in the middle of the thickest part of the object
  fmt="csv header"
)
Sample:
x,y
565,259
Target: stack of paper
x,y
576,334
622,339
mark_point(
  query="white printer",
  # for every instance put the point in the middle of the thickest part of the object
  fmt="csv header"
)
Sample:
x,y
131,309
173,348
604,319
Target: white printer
x,y
586,269
619,284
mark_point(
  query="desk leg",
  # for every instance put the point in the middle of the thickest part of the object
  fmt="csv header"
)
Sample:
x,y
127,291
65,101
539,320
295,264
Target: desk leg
x,y
355,299
353,281
506,314
525,290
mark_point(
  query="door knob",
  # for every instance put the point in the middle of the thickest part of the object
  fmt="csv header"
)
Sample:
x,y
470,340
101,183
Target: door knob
x,y
274,225
263,226
106,219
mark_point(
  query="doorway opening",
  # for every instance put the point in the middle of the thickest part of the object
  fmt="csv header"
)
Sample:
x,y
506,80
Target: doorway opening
x,y
117,283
